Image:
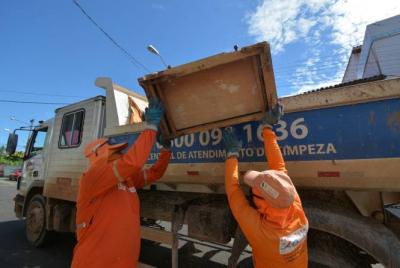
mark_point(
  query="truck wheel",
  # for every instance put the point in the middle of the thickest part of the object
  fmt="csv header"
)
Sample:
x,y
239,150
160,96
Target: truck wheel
x,y
327,250
35,221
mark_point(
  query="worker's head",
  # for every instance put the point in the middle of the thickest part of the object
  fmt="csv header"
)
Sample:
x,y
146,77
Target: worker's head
x,y
101,150
275,187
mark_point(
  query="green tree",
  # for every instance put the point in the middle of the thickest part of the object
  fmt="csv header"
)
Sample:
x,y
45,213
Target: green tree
x,y
13,160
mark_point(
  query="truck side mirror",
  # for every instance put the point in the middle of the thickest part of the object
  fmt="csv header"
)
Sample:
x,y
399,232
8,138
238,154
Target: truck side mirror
x,y
12,143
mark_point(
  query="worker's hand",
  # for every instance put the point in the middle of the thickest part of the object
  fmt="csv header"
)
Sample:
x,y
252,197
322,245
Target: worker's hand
x,y
166,143
231,142
154,113
272,116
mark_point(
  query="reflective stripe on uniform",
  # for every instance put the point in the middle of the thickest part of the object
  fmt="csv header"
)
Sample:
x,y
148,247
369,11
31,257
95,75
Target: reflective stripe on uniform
x,y
81,225
145,176
94,149
97,146
132,189
122,187
116,173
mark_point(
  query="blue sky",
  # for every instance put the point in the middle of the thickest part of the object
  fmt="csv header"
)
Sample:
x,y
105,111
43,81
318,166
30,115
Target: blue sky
x,y
50,52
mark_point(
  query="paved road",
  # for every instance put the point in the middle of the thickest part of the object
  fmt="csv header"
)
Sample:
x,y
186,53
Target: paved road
x,y
16,252
14,249
7,193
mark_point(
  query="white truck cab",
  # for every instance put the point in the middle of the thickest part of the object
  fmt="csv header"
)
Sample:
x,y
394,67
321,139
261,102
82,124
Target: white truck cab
x,y
35,154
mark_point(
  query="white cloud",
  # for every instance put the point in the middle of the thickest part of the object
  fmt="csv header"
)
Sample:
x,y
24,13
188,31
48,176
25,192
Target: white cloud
x,y
283,21
304,26
340,22
274,21
351,17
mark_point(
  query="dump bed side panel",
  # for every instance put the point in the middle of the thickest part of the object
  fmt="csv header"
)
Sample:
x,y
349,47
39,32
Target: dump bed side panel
x,y
351,146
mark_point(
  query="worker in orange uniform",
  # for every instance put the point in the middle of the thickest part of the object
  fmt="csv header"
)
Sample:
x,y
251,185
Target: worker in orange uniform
x,y
276,227
108,216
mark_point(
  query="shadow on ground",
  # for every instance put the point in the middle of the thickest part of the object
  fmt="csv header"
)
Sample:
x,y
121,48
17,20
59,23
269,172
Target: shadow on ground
x,y
158,256
15,251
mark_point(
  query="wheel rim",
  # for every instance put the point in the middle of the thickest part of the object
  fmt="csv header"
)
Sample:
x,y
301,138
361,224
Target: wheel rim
x,y
35,221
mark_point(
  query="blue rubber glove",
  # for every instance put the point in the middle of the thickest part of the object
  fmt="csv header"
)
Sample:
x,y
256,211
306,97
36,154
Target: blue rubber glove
x,y
166,143
154,113
231,142
272,116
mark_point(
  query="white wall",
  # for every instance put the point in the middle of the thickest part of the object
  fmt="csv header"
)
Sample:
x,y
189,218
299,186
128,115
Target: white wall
x,y
384,54
351,71
375,32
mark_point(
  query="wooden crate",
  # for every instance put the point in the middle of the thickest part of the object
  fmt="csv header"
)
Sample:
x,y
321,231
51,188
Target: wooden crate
x,y
218,91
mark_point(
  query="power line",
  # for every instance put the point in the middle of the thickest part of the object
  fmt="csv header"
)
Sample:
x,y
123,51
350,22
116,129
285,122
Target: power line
x,y
135,62
40,94
34,102
324,71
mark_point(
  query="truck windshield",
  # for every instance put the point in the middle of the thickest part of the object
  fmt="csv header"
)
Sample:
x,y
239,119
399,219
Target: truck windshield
x,y
37,143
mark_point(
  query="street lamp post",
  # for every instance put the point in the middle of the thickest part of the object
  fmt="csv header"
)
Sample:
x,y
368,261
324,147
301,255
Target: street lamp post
x,y
153,50
30,121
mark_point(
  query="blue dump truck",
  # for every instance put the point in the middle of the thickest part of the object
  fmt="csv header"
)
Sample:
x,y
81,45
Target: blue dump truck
x,y
341,146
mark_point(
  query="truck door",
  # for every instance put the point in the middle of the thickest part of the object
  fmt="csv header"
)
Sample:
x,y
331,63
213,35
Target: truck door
x,y
33,168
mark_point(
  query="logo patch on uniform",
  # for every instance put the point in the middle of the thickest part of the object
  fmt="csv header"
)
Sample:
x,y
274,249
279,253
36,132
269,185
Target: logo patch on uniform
x,y
289,243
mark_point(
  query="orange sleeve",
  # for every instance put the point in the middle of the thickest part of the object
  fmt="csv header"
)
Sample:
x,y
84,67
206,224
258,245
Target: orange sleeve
x,y
103,176
272,151
131,163
155,172
247,217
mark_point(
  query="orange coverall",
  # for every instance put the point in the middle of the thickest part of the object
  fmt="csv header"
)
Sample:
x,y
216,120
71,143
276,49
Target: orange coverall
x,y
278,237
108,223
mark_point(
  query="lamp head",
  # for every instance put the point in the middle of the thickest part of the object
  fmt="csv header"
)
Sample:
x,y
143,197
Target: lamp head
x,y
153,50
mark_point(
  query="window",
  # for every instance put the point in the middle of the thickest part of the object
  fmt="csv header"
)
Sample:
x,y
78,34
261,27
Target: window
x,y
71,129
38,138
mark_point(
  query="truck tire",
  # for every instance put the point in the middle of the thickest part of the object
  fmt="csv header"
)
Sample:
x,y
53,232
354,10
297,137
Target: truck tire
x,y
327,250
35,221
